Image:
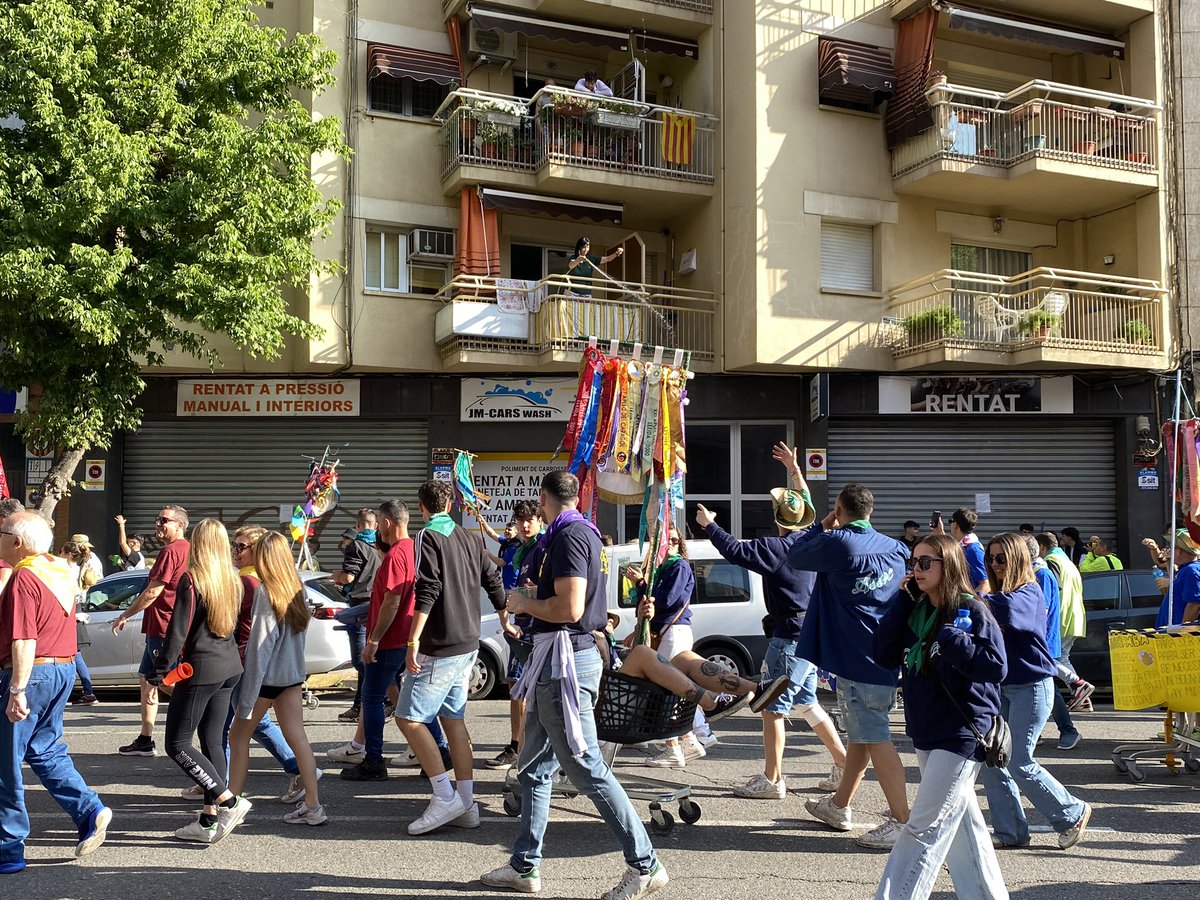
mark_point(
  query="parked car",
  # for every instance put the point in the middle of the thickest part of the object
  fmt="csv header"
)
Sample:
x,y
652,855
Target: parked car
x,y
113,659
1128,598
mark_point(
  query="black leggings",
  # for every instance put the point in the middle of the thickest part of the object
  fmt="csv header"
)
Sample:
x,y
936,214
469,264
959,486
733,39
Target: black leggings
x,y
203,708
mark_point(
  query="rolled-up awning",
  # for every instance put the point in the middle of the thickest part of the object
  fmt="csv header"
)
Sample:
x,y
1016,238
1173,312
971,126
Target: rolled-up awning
x,y
492,18
1017,28
514,201
405,62
853,74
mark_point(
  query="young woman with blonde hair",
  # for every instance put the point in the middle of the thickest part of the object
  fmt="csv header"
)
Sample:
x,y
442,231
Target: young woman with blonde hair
x,y
275,672
202,633
1026,695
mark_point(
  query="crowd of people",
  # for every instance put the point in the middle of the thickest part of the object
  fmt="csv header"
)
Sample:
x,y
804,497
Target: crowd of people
x,y
975,632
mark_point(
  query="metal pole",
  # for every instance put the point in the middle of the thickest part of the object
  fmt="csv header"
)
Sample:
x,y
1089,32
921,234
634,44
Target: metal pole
x,y
1175,505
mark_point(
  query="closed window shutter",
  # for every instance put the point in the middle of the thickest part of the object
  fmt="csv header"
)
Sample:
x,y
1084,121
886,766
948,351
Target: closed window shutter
x,y
847,256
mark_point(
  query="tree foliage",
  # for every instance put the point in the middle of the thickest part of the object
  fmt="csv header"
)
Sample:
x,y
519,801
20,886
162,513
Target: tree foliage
x,y
155,184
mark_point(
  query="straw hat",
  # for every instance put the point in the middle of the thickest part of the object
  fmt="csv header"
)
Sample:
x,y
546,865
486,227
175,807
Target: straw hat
x,y
791,510
1184,541
82,540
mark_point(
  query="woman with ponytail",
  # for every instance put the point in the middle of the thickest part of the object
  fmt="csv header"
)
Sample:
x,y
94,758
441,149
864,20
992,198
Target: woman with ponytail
x,y
203,634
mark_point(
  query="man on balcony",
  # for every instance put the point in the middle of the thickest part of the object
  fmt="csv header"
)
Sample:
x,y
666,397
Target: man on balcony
x,y
591,83
587,265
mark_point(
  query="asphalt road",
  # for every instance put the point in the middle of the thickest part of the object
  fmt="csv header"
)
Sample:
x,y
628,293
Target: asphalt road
x,y
1145,844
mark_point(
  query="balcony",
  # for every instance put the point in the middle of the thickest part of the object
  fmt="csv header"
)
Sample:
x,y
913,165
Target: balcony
x,y
579,145
1041,148
494,323
1041,318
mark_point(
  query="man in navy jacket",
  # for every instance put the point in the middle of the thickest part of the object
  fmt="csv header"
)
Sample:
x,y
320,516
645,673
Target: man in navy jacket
x,y
787,593
858,578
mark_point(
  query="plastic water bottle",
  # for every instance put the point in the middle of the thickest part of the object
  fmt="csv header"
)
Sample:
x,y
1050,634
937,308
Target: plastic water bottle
x,y
962,619
1158,573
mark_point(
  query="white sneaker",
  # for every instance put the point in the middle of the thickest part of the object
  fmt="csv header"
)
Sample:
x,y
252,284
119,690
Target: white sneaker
x,y
295,788
306,815
437,814
671,758
830,784
469,819
634,884
229,818
194,831
882,837
835,817
508,877
195,792
347,753
404,761
761,788
707,740
692,750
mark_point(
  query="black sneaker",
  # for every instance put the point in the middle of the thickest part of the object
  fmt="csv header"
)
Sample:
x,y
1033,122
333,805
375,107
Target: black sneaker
x,y
505,759
350,715
389,710
366,771
768,692
446,763
142,746
727,705
85,700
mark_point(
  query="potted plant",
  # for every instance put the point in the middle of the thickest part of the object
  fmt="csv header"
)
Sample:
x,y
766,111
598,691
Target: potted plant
x,y
1135,331
573,136
933,324
617,114
1040,324
987,152
937,78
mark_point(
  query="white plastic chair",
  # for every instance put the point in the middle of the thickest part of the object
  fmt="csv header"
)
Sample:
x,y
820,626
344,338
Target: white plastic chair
x,y
998,320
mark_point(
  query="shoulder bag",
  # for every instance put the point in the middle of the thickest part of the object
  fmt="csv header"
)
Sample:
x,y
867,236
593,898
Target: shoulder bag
x,y
997,743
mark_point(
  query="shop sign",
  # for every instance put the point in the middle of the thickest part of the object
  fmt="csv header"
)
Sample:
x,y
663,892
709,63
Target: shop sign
x,y
1147,479
517,399
508,478
297,397
974,395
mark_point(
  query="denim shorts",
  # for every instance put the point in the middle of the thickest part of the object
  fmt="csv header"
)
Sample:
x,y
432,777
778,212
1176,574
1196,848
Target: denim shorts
x,y
440,691
154,647
781,660
865,709
514,669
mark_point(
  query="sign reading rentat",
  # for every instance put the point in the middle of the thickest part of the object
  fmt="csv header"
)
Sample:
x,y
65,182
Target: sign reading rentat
x,y
975,395
282,397
507,478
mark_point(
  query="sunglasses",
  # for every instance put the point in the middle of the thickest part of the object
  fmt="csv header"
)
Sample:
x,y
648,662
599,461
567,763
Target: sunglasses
x,y
163,520
9,533
241,548
998,560
925,563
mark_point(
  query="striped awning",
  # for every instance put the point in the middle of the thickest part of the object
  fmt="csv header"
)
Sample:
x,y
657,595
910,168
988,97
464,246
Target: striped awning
x,y
406,62
1035,31
518,202
853,74
495,18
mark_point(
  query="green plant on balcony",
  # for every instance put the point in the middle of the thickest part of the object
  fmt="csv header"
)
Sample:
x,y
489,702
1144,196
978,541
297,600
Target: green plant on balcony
x,y
1039,324
496,140
933,324
1135,331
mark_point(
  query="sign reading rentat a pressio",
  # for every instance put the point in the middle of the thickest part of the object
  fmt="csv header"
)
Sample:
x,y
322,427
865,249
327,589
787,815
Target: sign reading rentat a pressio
x,y
262,397
981,395
517,399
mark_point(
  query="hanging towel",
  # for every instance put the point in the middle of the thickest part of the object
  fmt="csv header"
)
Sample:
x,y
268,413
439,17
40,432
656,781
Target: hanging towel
x,y
510,295
678,135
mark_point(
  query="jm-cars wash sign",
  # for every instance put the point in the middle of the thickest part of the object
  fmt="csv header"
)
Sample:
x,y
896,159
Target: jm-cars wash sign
x,y
974,395
253,397
517,399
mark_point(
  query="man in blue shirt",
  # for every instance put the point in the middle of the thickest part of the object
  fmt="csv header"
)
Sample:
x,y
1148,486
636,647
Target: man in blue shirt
x,y
858,579
962,528
1182,604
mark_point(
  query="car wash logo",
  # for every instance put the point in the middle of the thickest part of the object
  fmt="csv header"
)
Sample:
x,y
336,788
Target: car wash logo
x,y
518,400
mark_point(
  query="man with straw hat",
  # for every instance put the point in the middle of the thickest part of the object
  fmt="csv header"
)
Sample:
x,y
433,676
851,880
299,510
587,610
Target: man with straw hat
x,y
1181,598
88,554
787,592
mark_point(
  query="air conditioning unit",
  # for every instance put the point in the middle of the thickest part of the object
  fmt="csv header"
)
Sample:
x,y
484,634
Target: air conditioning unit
x,y
497,46
431,245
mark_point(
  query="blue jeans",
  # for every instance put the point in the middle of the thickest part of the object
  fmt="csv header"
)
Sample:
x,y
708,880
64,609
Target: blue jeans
x,y
37,740
1068,676
781,659
266,732
544,748
1026,708
377,677
352,619
85,677
945,825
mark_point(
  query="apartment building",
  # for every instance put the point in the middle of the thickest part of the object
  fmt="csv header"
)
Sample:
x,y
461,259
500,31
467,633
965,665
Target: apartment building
x,y
925,241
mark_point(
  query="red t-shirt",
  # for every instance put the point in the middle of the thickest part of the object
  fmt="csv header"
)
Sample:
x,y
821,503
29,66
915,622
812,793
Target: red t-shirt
x,y
250,584
29,611
396,575
171,563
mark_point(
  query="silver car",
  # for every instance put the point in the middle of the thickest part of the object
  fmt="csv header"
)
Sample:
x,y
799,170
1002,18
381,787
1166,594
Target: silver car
x,y
113,659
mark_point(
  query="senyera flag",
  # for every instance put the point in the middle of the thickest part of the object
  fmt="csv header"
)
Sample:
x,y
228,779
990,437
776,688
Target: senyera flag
x,y
678,135
3,483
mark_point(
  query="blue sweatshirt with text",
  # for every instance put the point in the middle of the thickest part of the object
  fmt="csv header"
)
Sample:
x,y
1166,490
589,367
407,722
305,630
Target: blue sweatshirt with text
x,y
1022,617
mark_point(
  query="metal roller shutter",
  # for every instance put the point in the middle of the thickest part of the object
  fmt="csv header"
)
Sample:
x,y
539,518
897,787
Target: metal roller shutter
x,y
1050,473
243,471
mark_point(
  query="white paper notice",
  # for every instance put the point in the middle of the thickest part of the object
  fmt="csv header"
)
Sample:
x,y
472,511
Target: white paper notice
x,y
983,503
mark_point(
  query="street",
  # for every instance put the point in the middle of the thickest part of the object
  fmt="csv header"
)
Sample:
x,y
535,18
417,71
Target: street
x,y
1143,843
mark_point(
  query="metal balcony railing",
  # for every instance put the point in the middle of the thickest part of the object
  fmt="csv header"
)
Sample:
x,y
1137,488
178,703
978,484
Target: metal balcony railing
x,y
1054,308
562,312
1039,119
564,126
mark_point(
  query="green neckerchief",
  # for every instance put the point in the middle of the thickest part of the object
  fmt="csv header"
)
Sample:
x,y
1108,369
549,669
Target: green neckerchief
x,y
441,523
859,523
523,549
921,621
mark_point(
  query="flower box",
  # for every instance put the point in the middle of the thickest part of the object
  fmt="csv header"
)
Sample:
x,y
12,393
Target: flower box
x,y
618,120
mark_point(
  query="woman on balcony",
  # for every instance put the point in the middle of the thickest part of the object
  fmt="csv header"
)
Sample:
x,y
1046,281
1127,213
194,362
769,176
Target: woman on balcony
x,y
587,265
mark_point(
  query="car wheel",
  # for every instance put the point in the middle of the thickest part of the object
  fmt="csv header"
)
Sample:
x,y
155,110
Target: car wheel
x,y
484,676
728,655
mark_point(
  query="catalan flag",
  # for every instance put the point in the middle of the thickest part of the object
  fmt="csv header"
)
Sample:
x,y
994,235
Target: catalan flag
x,y
678,135
3,482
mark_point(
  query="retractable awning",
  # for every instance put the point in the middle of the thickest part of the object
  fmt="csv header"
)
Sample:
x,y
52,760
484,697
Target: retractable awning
x,y
492,18
405,62
853,74
1016,28
514,201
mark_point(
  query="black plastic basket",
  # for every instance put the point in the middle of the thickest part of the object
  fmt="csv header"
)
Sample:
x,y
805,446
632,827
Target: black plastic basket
x,y
632,710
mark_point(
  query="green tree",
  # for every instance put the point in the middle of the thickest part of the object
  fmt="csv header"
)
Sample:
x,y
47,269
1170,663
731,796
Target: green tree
x,y
155,186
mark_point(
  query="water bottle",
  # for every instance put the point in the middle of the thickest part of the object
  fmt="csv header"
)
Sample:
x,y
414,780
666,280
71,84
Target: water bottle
x,y
962,619
1158,573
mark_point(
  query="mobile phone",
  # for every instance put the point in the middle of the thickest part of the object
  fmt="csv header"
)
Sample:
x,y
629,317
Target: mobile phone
x,y
935,519
913,589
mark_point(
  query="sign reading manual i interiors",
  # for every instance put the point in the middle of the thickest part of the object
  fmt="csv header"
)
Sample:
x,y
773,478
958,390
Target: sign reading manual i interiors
x,y
262,397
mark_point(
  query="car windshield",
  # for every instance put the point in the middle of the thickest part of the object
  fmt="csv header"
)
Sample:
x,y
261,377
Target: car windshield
x,y
326,588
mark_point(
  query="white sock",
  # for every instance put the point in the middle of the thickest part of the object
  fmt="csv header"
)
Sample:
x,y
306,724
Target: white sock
x,y
357,746
466,792
442,789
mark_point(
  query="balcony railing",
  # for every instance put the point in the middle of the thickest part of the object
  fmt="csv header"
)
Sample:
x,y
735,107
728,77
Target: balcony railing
x,y
1050,308
561,312
579,129
1037,120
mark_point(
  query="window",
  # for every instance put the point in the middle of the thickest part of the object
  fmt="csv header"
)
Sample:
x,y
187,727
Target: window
x,y
990,260
388,266
113,595
1102,592
847,257
1143,591
718,581
405,96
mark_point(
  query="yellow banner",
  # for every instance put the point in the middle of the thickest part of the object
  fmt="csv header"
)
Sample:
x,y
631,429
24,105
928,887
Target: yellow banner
x,y
1156,668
